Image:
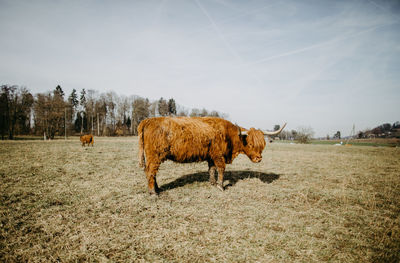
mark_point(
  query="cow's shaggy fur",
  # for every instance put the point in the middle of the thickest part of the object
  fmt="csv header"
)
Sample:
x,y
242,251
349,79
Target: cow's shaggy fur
x,y
87,139
185,139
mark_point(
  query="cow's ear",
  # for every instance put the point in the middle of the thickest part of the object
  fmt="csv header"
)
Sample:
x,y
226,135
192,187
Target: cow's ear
x,y
241,133
239,130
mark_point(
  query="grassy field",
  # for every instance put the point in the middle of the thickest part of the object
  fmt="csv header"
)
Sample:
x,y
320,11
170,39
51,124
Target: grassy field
x,y
302,203
377,142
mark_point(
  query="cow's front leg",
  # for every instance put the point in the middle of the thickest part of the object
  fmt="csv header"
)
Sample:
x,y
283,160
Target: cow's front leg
x,y
220,163
212,169
151,171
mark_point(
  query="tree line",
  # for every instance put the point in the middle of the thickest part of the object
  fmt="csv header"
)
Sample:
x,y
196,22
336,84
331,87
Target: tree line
x,y
54,113
385,130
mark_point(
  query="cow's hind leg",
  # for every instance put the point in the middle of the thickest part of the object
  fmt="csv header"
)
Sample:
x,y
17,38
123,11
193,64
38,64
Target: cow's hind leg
x,y
151,171
212,169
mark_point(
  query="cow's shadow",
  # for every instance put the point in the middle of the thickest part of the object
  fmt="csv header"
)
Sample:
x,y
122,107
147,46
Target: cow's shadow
x,y
232,176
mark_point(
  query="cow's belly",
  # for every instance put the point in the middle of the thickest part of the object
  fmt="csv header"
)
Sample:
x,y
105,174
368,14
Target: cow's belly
x,y
186,159
190,150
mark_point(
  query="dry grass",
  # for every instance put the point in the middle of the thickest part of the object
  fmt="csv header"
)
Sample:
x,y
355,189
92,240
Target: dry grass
x,y
304,203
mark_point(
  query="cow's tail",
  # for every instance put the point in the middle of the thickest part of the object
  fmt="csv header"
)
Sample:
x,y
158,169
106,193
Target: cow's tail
x,y
142,160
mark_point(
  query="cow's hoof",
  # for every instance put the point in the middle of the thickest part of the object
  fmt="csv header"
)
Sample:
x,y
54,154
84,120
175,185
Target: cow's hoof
x,y
153,192
213,182
156,188
220,187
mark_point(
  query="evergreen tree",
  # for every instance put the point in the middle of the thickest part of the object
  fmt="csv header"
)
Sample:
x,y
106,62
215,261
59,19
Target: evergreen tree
x,y
72,106
73,99
78,123
171,107
128,122
83,99
59,91
82,113
15,107
5,111
58,111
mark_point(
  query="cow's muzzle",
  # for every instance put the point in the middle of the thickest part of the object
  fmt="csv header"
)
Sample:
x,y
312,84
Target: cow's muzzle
x,y
256,159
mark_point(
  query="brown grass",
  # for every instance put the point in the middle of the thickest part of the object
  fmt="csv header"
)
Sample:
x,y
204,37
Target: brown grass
x,y
305,203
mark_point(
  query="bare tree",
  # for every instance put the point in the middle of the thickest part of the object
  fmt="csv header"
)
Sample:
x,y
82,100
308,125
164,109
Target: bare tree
x,y
304,134
140,112
49,114
101,114
163,107
153,109
123,110
91,98
204,113
182,113
194,112
215,114
111,111
285,135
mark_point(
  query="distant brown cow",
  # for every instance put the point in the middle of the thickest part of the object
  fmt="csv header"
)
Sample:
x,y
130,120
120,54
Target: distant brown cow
x,y
87,139
185,140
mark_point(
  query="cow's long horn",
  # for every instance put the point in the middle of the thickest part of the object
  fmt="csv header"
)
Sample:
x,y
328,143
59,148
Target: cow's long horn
x,y
274,132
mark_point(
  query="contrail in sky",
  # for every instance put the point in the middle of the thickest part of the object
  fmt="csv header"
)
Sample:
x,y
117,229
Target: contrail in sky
x,y
300,50
384,9
250,12
231,50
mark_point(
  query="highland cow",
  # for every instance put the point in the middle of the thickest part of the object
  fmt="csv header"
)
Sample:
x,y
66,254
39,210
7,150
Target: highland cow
x,y
185,139
87,139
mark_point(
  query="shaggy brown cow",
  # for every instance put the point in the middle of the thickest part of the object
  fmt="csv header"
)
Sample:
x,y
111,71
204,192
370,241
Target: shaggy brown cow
x,y
185,139
87,139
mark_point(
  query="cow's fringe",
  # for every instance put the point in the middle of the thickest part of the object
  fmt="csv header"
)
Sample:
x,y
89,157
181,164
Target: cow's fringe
x,y
142,160
257,138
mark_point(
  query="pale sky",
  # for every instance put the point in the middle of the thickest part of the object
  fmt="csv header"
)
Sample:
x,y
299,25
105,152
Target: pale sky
x,y
314,63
